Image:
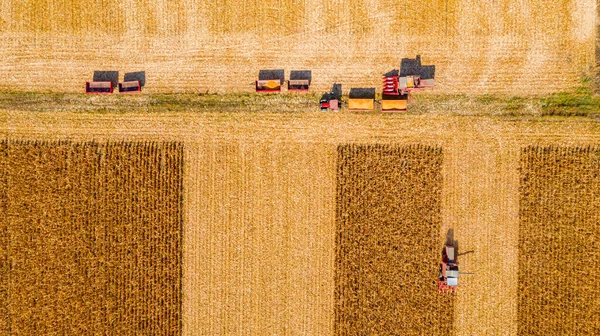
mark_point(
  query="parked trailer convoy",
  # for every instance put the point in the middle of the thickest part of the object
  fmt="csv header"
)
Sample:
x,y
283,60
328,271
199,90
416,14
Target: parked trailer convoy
x,y
104,82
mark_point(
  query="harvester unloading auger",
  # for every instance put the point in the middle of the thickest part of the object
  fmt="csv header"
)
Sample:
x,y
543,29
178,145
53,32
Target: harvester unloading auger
x,y
448,278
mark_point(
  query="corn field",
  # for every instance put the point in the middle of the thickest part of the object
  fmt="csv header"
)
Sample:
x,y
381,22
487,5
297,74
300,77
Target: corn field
x,y
559,249
288,224
507,46
91,238
388,250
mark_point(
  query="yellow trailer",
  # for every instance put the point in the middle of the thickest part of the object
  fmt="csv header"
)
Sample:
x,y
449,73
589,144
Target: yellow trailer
x,y
361,104
361,99
393,105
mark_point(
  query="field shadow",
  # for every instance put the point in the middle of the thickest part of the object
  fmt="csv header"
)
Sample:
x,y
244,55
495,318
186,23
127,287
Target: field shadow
x,y
136,76
107,76
453,242
301,75
272,75
362,93
391,73
450,238
336,89
413,67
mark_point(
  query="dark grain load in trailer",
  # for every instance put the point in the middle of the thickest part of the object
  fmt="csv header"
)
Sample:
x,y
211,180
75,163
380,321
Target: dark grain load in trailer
x,y
130,87
98,87
299,80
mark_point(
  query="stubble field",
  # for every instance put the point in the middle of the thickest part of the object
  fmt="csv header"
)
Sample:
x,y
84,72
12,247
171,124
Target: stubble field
x,y
259,216
514,47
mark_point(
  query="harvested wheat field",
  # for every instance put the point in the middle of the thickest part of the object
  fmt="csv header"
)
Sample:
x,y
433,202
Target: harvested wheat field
x,y
559,245
261,217
91,238
259,241
508,46
388,222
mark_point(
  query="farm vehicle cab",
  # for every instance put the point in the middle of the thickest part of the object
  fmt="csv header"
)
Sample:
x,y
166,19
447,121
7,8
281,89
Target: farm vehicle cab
x,y
448,276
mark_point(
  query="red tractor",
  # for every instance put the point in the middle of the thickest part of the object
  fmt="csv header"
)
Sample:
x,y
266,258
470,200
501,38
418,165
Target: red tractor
x,y
332,100
448,278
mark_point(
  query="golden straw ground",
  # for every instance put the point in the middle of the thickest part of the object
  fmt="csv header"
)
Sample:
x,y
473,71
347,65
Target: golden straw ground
x,y
507,46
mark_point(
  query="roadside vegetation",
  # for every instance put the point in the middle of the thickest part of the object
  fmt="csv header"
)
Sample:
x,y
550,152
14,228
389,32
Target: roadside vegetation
x,y
579,102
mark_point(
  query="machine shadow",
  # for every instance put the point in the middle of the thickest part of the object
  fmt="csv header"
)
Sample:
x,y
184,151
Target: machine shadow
x,y
276,74
301,75
107,76
413,67
453,242
136,76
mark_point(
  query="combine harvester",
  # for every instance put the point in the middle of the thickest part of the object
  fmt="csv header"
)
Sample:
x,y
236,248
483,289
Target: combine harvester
x,y
392,98
448,277
397,85
414,76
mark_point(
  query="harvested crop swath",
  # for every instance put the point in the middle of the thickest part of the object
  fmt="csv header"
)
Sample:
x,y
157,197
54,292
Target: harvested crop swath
x,y
94,238
388,242
559,245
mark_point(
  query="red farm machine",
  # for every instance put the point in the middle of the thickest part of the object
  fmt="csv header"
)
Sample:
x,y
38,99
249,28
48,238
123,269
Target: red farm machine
x,y
299,80
332,100
270,80
448,276
397,85
412,77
